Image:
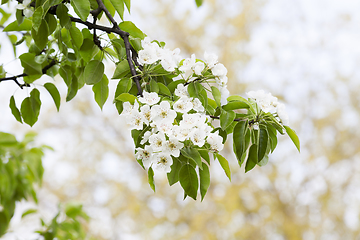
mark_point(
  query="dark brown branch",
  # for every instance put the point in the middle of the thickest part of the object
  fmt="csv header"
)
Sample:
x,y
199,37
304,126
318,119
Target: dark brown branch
x,y
14,78
235,120
95,14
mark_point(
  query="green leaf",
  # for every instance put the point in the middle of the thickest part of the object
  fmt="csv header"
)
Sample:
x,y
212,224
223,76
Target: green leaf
x,y
54,94
189,180
14,110
151,178
37,17
51,21
101,91
41,36
163,89
173,175
30,211
130,27
2,71
94,72
199,2
193,154
76,36
81,8
226,118
293,137
239,138
121,70
127,3
263,161
272,135
88,49
119,7
224,164
204,175
123,86
30,107
26,25
126,97
29,64
205,155
154,86
235,105
7,138
62,14
263,143
252,158
72,88
216,94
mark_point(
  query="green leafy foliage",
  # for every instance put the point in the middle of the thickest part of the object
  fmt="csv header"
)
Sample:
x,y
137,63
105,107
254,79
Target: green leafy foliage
x,y
30,107
189,180
17,162
51,88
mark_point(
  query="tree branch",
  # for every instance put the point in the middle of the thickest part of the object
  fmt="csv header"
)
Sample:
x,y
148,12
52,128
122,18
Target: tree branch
x,y
235,120
14,78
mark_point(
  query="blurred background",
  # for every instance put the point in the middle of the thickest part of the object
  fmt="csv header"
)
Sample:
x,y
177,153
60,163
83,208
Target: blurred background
x,y
307,53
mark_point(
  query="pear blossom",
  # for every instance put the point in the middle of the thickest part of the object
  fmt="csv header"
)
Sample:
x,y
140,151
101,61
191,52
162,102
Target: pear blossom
x,y
145,138
188,63
149,98
173,146
219,70
146,112
198,105
162,162
25,6
224,95
198,67
147,56
157,141
198,137
215,142
163,112
266,101
145,155
128,108
210,59
181,90
136,120
181,132
183,105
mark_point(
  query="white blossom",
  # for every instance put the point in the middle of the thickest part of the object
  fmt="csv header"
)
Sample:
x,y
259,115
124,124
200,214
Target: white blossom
x,y
188,63
210,59
265,101
198,67
163,112
157,141
146,112
149,98
136,120
183,105
145,155
215,142
173,146
198,105
181,90
25,6
147,56
162,162
219,70
198,137
224,95
145,137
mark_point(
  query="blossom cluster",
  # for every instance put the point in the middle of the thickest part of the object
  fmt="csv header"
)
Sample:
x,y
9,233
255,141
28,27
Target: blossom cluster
x,y
268,103
169,128
188,69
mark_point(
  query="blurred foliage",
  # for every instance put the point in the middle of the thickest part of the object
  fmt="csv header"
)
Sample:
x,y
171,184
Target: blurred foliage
x,y
20,169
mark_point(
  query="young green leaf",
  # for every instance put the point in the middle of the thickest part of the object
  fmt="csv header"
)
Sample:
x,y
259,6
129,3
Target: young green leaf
x,y
204,175
189,180
193,154
26,25
94,72
28,63
263,142
173,175
41,36
226,118
151,178
239,134
81,8
54,94
130,27
224,164
235,105
126,97
62,14
199,2
101,91
205,155
30,107
123,86
216,94
163,89
252,158
154,86
76,36
293,137
121,70
37,17
127,3
119,7
72,88
14,110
